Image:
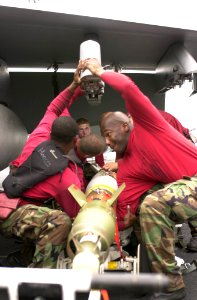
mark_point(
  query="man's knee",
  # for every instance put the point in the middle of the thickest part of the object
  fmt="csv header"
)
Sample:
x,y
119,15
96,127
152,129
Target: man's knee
x,y
65,222
155,204
147,204
62,225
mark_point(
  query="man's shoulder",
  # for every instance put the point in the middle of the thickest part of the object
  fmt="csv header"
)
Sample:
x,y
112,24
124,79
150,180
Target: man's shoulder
x,y
68,177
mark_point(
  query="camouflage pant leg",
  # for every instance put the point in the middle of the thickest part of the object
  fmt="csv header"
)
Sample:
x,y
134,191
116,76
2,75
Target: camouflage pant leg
x,y
48,228
157,225
136,225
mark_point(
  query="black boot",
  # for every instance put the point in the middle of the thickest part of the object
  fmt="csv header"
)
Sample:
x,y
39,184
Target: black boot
x,y
14,259
19,259
176,295
192,245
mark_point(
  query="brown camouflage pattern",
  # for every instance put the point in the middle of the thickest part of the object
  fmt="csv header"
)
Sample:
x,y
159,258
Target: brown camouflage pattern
x,y
47,228
159,212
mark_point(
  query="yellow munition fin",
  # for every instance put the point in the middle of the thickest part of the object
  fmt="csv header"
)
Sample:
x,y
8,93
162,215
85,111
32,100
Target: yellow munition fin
x,y
116,194
79,196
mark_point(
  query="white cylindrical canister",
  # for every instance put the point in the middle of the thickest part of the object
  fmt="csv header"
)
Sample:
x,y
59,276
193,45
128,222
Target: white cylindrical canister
x,y
90,49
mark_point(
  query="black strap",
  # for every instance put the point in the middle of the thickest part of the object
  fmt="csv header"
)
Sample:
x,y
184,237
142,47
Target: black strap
x,y
46,202
180,238
189,267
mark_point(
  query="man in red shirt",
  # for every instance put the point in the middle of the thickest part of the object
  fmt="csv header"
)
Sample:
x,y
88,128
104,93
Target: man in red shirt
x,y
48,228
152,152
174,122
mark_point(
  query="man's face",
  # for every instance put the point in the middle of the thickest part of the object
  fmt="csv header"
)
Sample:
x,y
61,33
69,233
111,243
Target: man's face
x,y
116,136
83,130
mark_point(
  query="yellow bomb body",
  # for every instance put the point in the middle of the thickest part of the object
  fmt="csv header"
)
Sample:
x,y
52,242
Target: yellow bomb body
x,y
93,229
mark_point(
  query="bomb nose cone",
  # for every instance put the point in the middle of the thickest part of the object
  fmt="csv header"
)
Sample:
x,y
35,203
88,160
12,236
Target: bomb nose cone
x,y
86,261
105,182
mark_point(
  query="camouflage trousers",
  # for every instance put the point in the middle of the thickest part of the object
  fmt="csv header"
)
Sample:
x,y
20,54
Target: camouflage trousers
x,y
47,228
158,212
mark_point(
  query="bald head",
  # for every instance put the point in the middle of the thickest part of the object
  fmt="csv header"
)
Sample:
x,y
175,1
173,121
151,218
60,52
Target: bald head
x,y
111,118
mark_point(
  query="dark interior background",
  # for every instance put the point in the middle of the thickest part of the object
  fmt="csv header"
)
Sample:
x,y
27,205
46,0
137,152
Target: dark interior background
x,y
30,93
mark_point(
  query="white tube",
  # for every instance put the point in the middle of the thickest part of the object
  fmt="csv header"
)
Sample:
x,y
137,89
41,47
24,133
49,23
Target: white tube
x,y
90,49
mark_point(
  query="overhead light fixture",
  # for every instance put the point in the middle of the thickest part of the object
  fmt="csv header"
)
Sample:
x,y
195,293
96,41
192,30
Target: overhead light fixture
x,y
119,68
72,70
140,71
40,70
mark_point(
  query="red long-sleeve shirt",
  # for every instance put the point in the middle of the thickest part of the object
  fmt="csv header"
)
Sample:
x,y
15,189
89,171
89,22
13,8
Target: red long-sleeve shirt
x,y
175,123
156,152
56,185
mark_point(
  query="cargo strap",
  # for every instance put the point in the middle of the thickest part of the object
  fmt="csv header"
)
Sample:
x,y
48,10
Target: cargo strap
x,y
189,267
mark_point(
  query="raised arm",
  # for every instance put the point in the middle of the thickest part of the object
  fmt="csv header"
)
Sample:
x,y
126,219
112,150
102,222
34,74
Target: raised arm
x,y
57,107
137,104
66,97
